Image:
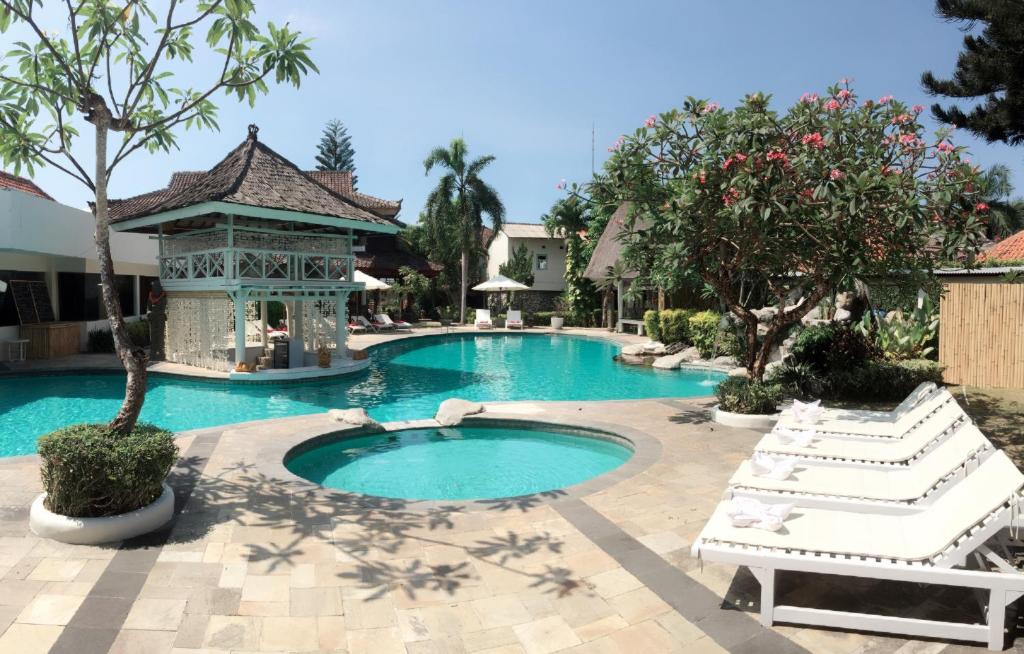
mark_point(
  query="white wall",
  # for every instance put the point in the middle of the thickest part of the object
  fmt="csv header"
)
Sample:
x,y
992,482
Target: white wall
x,y
552,279
497,254
38,235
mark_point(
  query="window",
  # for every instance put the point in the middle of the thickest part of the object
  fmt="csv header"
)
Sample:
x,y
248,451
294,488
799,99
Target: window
x,y
542,262
79,296
8,312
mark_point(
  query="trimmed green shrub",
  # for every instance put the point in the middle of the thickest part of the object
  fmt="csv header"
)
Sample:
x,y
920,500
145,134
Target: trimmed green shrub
x,y
138,331
675,325
883,381
799,380
703,331
740,395
102,340
652,325
89,472
832,347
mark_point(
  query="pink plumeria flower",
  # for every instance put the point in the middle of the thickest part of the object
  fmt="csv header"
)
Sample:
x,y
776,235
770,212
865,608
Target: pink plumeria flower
x,y
832,105
945,146
885,99
560,185
918,108
843,94
809,98
711,107
835,174
651,121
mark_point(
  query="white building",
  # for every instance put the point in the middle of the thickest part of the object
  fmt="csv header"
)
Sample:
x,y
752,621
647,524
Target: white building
x,y
547,253
43,240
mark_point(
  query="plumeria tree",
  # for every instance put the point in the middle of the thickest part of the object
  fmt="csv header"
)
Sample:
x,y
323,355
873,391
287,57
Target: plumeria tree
x,y
803,202
110,68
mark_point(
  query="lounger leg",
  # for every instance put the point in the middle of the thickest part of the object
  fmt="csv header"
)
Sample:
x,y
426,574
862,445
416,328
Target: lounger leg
x,y
996,619
766,577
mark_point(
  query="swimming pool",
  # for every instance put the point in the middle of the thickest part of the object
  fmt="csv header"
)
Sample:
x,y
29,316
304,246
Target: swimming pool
x,y
407,379
464,463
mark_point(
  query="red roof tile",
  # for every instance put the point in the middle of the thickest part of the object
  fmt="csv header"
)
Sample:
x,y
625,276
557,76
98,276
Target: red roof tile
x,y
16,183
1009,249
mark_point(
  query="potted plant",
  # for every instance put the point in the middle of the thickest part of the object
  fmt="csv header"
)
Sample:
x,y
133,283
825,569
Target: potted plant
x,y
746,403
323,356
562,304
101,486
446,315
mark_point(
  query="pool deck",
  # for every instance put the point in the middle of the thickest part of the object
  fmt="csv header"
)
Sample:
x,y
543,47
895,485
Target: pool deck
x,y
258,560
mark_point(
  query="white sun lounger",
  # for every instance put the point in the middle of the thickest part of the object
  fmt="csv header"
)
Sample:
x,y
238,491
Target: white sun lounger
x,y
388,323
877,428
483,319
916,397
931,431
929,547
514,320
893,489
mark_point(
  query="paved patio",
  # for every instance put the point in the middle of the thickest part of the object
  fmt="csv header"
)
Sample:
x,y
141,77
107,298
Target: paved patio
x,y
259,561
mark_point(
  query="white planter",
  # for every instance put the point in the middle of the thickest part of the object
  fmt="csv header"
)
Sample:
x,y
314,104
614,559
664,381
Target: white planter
x,y
762,422
93,531
557,322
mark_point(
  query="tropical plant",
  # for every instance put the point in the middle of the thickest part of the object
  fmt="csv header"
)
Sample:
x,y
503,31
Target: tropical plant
x,y
1005,214
412,285
705,332
519,266
457,205
335,151
988,67
900,336
652,324
675,325
112,67
570,218
740,395
834,189
614,276
828,347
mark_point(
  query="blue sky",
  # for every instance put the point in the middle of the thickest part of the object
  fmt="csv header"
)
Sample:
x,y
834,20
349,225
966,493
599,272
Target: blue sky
x,y
526,80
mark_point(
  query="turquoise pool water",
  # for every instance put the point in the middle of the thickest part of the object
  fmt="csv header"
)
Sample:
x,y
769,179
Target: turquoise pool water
x,y
465,463
407,379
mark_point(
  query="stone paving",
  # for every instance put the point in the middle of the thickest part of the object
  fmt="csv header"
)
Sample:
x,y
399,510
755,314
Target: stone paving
x,y
258,561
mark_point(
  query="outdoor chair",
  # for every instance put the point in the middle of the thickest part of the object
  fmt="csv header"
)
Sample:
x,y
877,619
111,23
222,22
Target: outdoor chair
x,y
366,324
959,540
514,319
483,319
386,320
916,397
874,426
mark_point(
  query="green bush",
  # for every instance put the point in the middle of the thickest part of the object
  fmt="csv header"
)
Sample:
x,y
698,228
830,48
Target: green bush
x,y
138,331
652,325
102,340
740,395
825,348
883,381
675,325
799,380
89,472
703,332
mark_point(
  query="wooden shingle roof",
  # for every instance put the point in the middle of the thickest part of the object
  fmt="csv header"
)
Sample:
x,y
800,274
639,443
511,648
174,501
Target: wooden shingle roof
x,y
609,247
254,175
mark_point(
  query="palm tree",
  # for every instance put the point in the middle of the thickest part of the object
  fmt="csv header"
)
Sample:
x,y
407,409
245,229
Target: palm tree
x,y
608,285
1005,216
461,198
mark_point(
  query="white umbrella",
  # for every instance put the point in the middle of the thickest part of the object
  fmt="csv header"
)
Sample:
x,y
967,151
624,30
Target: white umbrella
x,y
501,283
372,283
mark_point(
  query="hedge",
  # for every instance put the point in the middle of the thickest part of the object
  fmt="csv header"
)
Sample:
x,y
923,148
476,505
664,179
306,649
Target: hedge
x,y
740,395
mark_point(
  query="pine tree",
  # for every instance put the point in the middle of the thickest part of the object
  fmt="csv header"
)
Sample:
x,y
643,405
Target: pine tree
x,y
991,65
336,151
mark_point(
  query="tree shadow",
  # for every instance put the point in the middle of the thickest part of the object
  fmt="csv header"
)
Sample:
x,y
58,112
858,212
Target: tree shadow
x,y
523,502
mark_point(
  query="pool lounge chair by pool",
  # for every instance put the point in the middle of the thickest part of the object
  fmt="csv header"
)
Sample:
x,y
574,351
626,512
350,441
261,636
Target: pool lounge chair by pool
x,y
919,438
374,326
891,489
514,320
875,427
386,320
916,397
933,546
483,319
355,328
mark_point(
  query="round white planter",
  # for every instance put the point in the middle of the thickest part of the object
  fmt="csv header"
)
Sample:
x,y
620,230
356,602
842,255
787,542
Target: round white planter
x,y
557,322
93,531
744,420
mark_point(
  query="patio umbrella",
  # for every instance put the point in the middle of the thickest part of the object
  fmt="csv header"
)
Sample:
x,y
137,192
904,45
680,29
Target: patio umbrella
x,y
372,283
501,283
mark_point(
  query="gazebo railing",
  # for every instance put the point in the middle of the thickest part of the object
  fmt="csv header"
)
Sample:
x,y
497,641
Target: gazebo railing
x,y
252,263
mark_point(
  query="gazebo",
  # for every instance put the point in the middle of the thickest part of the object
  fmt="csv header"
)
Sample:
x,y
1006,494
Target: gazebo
x,y
252,229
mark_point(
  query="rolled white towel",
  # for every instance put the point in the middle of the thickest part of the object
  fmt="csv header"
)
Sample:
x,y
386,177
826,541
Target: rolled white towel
x,y
748,512
807,412
798,437
765,465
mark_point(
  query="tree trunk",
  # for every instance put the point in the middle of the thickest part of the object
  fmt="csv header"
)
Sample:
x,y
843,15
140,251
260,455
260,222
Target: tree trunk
x,y
609,318
133,358
462,294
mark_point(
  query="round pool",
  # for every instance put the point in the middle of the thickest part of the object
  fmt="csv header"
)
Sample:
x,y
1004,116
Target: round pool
x,y
463,463
407,379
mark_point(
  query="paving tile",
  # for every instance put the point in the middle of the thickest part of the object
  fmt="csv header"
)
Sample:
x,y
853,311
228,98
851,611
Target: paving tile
x,y
331,633
500,611
28,639
265,588
374,641
50,610
155,614
101,613
232,632
137,642
546,635
289,634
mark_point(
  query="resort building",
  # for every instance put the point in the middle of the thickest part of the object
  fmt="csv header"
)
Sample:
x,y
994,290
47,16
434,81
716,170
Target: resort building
x,y
546,252
47,250
253,229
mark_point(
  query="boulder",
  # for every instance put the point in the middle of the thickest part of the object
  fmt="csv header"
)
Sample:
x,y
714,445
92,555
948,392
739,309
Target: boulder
x,y
654,347
842,315
770,366
670,362
452,411
766,314
690,354
845,300
725,362
355,417
775,355
738,372
633,350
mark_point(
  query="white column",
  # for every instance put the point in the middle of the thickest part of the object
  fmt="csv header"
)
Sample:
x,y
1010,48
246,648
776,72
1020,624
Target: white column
x,y
263,322
341,325
619,292
239,327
